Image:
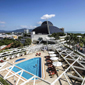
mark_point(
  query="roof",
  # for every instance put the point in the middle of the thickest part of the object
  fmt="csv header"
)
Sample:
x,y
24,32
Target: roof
x,y
44,28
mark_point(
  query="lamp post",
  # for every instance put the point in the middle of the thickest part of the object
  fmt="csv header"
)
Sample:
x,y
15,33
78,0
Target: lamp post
x,y
47,42
79,37
69,41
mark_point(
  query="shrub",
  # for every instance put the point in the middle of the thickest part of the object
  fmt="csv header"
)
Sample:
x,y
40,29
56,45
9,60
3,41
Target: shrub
x,y
3,81
16,44
4,58
27,41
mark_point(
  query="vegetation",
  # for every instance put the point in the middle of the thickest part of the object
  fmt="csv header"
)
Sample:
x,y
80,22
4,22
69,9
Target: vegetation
x,y
3,81
56,35
27,41
16,44
26,35
20,37
40,38
6,41
8,33
74,39
4,58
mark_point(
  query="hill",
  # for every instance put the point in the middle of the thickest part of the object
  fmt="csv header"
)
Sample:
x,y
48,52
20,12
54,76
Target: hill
x,y
17,30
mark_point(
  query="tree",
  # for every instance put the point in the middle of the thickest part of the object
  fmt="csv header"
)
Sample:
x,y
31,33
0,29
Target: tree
x,y
16,44
20,37
27,41
6,41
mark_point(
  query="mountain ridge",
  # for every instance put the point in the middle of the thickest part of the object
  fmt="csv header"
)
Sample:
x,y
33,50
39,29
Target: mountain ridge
x,y
17,30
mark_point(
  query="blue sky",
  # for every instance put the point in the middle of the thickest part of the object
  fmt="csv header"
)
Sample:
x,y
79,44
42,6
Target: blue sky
x,y
17,14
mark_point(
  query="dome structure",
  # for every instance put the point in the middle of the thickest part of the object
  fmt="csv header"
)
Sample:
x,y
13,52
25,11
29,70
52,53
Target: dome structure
x,y
47,28
45,23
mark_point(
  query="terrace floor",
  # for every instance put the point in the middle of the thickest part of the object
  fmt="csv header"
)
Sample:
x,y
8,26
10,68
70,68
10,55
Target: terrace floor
x,y
45,74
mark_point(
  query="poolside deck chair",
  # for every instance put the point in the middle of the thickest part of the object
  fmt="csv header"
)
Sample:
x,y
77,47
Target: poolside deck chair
x,y
39,54
36,54
47,56
48,62
52,73
1,61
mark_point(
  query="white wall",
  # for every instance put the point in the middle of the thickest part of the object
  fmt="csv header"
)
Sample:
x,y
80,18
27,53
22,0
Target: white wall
x,y
36,36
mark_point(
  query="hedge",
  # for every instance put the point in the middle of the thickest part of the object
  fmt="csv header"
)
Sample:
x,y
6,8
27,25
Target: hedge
x,y
3,81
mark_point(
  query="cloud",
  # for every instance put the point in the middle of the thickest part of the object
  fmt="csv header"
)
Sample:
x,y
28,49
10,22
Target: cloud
x,y
46,16
35,26
23,26
40,22
1,22
30,27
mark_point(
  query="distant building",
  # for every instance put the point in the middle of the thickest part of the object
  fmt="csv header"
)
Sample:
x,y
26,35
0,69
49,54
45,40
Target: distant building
x,y
26,31
23,39
47,28
8,36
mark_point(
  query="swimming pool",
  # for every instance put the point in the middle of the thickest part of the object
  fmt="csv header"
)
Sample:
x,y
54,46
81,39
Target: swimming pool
x,y
33,66
19,59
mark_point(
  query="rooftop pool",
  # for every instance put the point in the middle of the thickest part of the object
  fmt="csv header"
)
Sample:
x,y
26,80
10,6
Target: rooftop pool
x,y
19,59
33,66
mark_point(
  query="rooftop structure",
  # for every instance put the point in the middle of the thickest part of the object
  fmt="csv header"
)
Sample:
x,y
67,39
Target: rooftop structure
x,y
72,74
47,28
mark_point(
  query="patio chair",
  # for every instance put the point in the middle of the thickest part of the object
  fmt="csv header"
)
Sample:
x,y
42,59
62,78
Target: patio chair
x,y
52,73
1,61
49,62
47,56
39,54
51,68
36,54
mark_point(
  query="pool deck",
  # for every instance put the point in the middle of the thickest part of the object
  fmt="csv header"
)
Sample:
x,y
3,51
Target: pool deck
x,y
45,74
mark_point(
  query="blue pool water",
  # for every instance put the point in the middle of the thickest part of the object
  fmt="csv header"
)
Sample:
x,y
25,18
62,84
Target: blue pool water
x,y
33,66
19,59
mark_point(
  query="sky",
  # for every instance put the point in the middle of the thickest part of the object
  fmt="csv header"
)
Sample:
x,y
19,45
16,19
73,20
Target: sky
x,y
17,14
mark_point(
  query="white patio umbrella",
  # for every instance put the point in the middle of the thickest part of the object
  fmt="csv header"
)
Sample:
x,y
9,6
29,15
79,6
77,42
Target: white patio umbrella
x,y
12,56
18,55
1,58
8,58
57,63
51,52
53,55
27,52
54,58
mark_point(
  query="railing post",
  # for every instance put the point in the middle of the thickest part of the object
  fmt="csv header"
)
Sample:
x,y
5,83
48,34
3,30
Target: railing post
x,y
34,81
